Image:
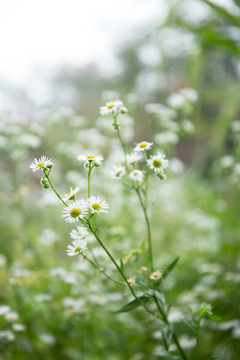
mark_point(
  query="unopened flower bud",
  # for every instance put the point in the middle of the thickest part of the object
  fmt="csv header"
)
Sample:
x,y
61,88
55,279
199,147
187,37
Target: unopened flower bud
x,y
44,182
49,166
124,110
161,176
97,163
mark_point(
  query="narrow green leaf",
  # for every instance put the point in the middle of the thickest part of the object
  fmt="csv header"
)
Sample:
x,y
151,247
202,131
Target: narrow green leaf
x,y
121,265
134,304
160,296
141,282
142,247
170,267
128,186
167,333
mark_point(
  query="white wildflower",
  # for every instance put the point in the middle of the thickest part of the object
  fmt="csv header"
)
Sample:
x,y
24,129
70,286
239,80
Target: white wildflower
x,y
79,233
71,195
11,316
158,163
112,107
41,163
137,176
118,172
94,160
133,158
97,205
19,327
4,309
77,247
7,335
144,145
77,210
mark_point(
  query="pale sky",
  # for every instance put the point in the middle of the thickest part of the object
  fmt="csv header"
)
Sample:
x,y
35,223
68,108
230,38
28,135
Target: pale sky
x,y
40,35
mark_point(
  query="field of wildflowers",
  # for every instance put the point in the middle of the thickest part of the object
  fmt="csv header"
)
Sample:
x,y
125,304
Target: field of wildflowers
x,y
120,208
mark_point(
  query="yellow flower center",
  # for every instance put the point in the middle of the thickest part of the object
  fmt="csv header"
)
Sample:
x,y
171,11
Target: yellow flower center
x,y
143,145
157,163
10,318
77,249
75,212
40,165
110,106
69,194
90,156
96,206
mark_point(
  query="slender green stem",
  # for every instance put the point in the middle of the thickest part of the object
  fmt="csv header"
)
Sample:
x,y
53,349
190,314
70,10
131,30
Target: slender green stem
x,y
121,141
89,177
101,270
121,273
149,238
50,183
114,262
198,339
165,319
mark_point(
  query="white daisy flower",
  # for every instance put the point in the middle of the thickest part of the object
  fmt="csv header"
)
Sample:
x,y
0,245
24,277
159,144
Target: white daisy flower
x,y
133,158
112,107
97,205
19,327
144,145
137,176
41,163
158,163
118,172
77,210
79,233
11,316
71,195
95,160
4,309
7,335
77,247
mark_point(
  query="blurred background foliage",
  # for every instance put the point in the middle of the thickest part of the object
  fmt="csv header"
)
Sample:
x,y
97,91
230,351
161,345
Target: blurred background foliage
x,y
63,308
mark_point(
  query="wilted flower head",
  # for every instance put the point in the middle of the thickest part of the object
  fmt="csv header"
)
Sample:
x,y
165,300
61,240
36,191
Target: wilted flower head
x,y
75,211
41,163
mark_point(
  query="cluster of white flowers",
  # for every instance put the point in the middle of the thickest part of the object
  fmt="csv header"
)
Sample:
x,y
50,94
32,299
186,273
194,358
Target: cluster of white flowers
x,y
129,170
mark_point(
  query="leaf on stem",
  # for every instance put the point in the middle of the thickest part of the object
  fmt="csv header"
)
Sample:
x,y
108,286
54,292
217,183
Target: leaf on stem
x,y
134,304
160,297
141,282
170,267
167,333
